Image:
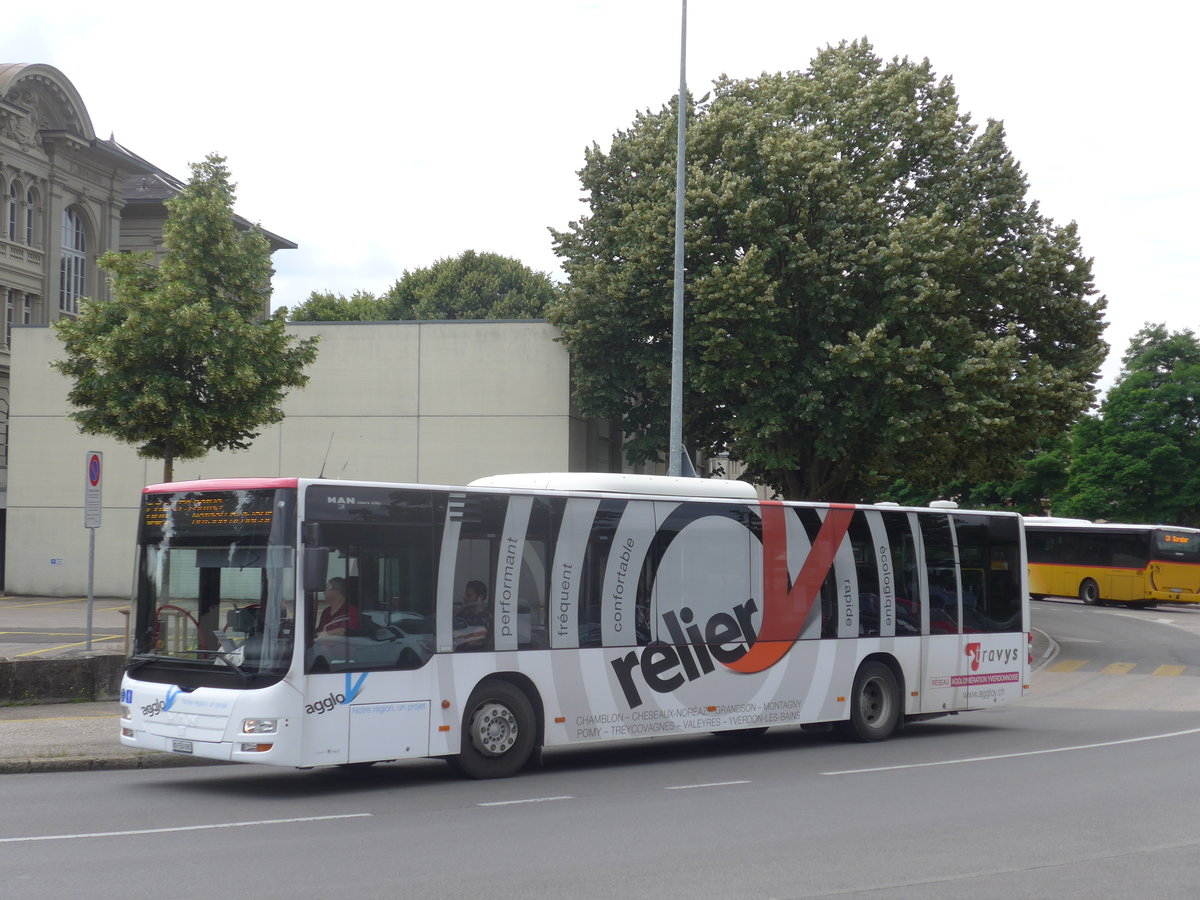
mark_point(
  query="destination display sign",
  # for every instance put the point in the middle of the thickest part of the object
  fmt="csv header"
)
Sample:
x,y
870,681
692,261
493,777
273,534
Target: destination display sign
x,y
1178,543
224,512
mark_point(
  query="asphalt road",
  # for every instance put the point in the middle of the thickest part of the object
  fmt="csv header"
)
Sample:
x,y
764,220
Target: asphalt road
x,y
32,627
1084,789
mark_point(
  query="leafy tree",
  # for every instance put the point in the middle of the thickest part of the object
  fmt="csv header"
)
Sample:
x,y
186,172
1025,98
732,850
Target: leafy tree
x,y
470,286
869,293
182,361
1138,459
322,306
1039,477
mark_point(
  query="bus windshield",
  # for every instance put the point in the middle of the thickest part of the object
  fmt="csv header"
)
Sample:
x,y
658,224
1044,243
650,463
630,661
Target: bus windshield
x,y
215,586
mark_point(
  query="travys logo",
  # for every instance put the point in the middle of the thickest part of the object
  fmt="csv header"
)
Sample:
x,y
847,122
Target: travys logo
x,y
159,706
665,667
337,698
977,656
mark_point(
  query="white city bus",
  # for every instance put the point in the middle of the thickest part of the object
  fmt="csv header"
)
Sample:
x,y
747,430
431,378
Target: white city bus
x,y
605,607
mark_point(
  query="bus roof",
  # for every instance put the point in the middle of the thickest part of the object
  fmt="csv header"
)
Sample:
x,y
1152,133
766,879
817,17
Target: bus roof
x,y
620,483
1086,525
221,484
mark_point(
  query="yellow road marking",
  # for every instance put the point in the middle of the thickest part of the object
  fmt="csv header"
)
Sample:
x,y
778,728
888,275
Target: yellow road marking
x,y
46,634
44,602
1068,665
1169,670
95,640
1118,669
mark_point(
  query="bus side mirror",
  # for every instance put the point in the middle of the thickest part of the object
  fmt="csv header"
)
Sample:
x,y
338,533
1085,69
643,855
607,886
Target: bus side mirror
x,y
316,565
312,535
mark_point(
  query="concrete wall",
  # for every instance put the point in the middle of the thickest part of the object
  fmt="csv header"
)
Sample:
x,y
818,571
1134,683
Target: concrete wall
x,y
431,402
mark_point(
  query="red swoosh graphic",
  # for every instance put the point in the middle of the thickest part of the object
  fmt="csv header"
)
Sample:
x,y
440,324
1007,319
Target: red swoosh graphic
x,y
785,611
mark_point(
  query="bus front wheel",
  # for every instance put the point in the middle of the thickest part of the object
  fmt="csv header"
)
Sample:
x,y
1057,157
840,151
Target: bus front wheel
x,y
1089,593
874,703
498,731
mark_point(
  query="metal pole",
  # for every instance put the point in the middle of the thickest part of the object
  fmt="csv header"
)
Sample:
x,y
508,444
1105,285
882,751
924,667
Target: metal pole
x,y
91,571
675,465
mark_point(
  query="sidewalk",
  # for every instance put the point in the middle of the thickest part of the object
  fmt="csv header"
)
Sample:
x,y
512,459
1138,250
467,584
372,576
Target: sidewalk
x,y
67,737
45,638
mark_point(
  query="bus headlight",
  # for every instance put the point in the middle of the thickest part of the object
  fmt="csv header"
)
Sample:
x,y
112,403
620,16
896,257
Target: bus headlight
x,y
259,726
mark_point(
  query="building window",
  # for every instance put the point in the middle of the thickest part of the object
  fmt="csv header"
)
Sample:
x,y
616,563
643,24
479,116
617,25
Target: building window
x,y
14,208
31,205
10,308
71,281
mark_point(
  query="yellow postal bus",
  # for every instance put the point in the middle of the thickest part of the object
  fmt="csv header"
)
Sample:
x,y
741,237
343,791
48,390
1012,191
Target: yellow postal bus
x,y
1138,565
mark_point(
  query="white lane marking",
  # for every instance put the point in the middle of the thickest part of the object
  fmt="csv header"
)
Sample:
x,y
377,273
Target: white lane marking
x,y
689,787
970,759
97,834
527,800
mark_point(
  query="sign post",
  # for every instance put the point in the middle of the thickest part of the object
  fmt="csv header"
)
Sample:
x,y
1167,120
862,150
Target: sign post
x,y
94,461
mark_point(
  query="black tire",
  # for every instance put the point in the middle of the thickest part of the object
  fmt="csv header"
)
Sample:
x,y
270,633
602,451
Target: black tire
x,y
874,703
1089,593
499,734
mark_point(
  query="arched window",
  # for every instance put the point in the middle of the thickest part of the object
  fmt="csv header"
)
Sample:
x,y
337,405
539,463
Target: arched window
x,y
14,207
31,205
72,268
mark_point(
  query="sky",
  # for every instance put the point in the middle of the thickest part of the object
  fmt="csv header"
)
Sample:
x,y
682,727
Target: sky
x,y
381,138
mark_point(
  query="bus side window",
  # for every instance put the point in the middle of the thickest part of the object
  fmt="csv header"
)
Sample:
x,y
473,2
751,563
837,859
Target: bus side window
x,y
863,547
904,557
942,571
1001,609
595,560
475,566
533,589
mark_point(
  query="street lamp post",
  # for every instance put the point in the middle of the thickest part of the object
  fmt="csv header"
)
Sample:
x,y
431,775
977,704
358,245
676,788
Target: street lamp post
x,y
675,454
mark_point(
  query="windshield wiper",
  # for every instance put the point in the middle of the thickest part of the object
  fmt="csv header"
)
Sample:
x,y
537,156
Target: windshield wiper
x,y
138,662
226,657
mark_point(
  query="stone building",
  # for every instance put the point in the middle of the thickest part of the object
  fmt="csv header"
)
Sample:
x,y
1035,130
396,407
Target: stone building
x,y
437,402
66,198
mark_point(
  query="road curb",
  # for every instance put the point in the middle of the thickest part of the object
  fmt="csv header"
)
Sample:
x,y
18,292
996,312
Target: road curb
x,y
37,765
1052,651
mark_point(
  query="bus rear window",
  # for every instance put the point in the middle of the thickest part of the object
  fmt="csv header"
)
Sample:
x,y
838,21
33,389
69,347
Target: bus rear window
x,y
1176,545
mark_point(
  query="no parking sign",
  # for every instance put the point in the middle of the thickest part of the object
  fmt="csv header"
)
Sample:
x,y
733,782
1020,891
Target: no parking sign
x,y
91,489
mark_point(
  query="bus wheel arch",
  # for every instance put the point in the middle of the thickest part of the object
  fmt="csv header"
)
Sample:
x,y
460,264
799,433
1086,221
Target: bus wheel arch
x,y
1089,592
501,727
876,700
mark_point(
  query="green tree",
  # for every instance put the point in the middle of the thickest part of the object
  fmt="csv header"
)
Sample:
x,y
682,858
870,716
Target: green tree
x,y
1138,458
323,306
869,293
183,359
1039,477
470,286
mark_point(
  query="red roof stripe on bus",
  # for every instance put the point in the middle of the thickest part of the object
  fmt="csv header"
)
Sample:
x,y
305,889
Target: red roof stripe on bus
x,y
221,484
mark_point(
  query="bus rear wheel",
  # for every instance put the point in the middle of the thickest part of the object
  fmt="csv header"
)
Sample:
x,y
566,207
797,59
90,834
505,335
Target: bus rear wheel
x,y
498,731
1089,593
874,704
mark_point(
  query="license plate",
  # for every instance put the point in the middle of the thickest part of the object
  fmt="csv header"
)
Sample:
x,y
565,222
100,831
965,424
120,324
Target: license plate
x,y
181,746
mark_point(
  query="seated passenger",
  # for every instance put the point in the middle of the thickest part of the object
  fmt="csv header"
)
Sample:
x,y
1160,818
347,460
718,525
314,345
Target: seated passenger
x,y
472,618
339,614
